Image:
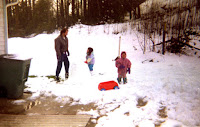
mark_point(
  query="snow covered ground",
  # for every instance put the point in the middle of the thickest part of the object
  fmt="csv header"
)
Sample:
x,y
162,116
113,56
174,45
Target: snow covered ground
x,y
161,90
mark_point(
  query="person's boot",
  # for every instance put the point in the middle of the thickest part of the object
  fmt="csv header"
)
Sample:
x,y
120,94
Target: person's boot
x,y
124,80
66,75
119,80
57,79
92,73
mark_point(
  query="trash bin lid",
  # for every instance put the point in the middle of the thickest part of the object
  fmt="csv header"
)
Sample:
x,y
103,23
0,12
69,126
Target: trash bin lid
x,y
13,57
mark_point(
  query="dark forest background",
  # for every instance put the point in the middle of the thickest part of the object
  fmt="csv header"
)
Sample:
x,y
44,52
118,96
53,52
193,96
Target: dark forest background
x,y
37,16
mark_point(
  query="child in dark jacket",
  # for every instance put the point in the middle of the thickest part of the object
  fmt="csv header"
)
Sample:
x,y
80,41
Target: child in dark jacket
x,y
123,64
90,60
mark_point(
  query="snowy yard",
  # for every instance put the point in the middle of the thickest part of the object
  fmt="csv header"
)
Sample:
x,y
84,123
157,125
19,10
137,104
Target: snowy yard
x,y
162,90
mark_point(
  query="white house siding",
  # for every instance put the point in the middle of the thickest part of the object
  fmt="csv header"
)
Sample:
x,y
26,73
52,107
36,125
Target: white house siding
x,y
2,29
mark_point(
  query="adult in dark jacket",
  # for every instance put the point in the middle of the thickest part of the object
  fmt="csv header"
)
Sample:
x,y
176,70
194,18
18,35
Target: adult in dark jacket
x,y
62,52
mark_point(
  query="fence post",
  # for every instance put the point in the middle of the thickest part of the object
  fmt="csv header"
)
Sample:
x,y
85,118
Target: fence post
x,y
144,42
163,44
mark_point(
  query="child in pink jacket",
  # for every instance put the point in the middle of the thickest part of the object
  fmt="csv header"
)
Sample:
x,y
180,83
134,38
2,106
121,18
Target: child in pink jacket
x,y
123,64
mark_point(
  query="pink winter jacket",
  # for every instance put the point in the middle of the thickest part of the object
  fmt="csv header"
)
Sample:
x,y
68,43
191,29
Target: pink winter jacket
x,y
125,62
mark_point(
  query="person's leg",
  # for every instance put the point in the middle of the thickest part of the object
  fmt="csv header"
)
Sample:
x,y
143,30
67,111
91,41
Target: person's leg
x,y
59,67
66,63
119,79
124,78
91,68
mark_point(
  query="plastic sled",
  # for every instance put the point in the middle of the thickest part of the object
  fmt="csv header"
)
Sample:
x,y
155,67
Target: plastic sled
x,y
103,86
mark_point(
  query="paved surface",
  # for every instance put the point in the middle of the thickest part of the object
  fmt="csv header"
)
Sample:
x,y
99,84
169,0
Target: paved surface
x,y
32,111
43,120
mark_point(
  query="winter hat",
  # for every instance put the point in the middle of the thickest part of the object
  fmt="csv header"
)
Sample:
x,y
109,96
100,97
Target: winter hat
x,y
123,53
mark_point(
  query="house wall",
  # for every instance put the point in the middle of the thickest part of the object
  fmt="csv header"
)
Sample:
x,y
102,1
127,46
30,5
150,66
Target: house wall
x,y
2,29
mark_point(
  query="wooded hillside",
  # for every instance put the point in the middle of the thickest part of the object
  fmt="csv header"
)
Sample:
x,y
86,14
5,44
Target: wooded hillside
x,y
36,16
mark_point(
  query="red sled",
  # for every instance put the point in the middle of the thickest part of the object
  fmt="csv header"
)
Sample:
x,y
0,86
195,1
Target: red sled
x,y
103,86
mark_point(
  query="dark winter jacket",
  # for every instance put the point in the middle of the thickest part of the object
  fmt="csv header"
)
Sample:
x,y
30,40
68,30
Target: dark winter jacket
x,y
61,45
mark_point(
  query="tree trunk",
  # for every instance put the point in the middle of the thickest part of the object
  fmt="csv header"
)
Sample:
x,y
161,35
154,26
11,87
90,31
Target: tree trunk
x,y
67,12
81,8
84,8
62,13
17,22
57,15
89,11
77,8
139,15
73,8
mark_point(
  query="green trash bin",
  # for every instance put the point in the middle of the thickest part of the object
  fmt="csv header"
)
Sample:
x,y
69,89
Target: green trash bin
x,y
13,75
